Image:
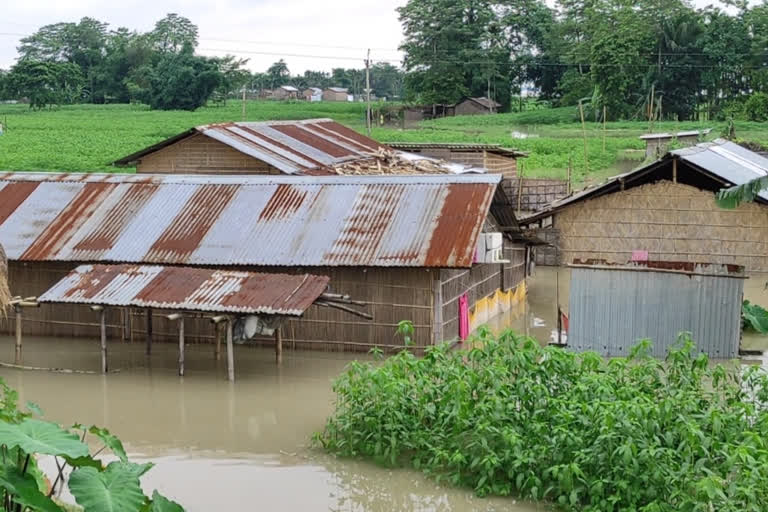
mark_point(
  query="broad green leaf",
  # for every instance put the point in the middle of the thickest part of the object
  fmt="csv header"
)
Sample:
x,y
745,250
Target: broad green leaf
x,y
162,504
755,317
112,442
116,489
43,437
83,462
138,469
730,198
35,409
25,490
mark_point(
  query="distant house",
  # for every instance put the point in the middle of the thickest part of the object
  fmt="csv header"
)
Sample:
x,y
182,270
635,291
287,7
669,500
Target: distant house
x,y
476,106
312,94
492,157
336,94
656,144
285,92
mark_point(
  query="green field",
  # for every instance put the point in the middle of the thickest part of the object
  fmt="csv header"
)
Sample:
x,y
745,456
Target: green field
x,y
89,137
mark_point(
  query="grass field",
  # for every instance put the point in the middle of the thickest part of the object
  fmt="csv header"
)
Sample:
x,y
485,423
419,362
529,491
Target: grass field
x,y
89,137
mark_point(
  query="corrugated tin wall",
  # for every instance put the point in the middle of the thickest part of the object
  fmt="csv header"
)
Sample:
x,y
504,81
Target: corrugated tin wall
x,y
611,310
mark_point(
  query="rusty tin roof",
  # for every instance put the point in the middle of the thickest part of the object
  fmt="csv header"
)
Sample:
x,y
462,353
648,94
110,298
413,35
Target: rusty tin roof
x,y
290,146
188,289
376,221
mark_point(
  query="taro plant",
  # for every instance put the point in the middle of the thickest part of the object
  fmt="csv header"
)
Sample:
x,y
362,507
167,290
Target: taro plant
x,y
97,487
509,417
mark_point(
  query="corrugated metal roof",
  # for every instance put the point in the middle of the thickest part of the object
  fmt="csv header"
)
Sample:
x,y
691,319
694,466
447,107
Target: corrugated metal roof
x,y
723,159
188,289
338,89
689,133
492,148
612,307
411,221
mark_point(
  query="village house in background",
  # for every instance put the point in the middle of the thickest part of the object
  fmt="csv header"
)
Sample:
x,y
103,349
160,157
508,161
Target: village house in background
x,y
656,144
476,106
666,211
312,94
336,94
285,92
436,250
491,157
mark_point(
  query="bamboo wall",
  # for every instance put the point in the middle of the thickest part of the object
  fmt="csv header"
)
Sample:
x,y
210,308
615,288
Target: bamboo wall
x,y
537,193
671,221
200,154
391,295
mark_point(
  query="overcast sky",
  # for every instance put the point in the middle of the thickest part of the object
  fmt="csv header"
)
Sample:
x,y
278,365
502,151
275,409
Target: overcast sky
x,y
309,34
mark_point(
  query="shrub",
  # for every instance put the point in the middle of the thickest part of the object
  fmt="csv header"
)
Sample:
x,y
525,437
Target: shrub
x,y
512,418
756,107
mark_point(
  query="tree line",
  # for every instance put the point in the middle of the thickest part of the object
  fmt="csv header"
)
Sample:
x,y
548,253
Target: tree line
x,y
664,58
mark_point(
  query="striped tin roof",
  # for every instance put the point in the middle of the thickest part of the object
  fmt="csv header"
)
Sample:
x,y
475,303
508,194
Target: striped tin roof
x,y
188,289
293,147
377,221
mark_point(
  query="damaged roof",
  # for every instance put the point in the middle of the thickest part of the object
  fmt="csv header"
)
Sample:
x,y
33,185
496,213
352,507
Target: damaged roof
x,y
188,289
376,221
458,146
720,161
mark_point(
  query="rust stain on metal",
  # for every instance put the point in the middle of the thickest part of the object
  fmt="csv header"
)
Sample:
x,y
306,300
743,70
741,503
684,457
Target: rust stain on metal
x,y
279,144
173,286
12,195
118,217
92,283
453,230
313,140
60,231
360,140
283,203
190,226
279,291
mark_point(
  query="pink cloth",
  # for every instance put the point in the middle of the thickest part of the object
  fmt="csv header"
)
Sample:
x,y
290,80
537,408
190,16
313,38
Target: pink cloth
x,y
639,256
463,317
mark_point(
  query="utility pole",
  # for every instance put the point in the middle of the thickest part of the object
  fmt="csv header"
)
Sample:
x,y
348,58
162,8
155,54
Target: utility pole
x,y
368,92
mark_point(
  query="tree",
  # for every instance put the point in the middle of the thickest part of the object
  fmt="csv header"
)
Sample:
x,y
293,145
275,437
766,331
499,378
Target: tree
x,y
181,81
172,33
45,83
278,73
233,76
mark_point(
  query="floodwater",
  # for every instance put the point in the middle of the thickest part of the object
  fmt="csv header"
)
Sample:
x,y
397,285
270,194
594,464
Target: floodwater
x,y
246,445
221,446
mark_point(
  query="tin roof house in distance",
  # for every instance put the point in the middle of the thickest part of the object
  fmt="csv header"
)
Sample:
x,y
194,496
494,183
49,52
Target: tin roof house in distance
x,y
666,211
423,248
656,144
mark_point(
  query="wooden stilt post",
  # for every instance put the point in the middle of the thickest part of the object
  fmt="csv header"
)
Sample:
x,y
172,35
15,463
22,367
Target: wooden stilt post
x,y
125,313
103,322
217,350
149,331
278,346
19,320
230,353
181,346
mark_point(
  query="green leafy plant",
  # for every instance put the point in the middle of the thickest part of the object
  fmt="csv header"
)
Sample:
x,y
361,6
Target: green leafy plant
x,y
96,488
754,317
508,417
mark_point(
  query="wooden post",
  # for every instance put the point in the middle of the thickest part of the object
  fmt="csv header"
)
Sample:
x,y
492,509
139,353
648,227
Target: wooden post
x,y
126,314
103,321
19,320
605,119
230,354
368,93
278,346
584,133
437,308
217,350
149,331
674,170
181,346
569,184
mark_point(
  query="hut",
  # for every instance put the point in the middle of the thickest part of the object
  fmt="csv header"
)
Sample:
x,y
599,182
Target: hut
x,y
433,249
285,92
492,157
656,144
336,94
666,211
613,306
312,94
476,106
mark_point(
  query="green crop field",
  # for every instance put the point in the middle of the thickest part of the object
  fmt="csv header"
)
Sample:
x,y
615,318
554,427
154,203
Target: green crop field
x,y
89,137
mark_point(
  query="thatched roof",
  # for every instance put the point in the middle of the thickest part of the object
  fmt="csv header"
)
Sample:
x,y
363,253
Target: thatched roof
x,y
5,295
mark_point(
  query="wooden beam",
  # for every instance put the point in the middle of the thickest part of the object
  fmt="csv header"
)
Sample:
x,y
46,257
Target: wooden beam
x,y
437,315
181,346
103,322
217,350
19,320
674,170
278,346
230,353
149,331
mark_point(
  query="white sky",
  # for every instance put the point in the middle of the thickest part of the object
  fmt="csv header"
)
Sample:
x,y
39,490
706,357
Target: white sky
x,y
309,34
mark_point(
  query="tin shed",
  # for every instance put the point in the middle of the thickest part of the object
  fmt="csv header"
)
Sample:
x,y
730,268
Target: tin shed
x,y
614,306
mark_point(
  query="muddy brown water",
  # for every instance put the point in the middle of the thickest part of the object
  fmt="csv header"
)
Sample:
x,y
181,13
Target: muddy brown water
x,y
245,446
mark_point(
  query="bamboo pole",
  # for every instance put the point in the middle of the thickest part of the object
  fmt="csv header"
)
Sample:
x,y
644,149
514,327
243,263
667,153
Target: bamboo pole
x,y
19,320
605,118
181,346
569,185
149,331
230,353
217,350
278,346
584,134
103,322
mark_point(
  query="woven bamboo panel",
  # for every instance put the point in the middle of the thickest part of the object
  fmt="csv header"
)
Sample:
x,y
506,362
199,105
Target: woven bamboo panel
x,y
671,221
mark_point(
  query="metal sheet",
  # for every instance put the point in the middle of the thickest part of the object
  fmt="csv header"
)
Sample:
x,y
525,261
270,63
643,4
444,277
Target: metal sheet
x,y
412,221
188,289
613,307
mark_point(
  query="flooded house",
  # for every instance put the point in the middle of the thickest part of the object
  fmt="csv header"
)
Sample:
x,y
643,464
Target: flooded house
x,y
666,211
476,106
492,157
656,144
433,249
